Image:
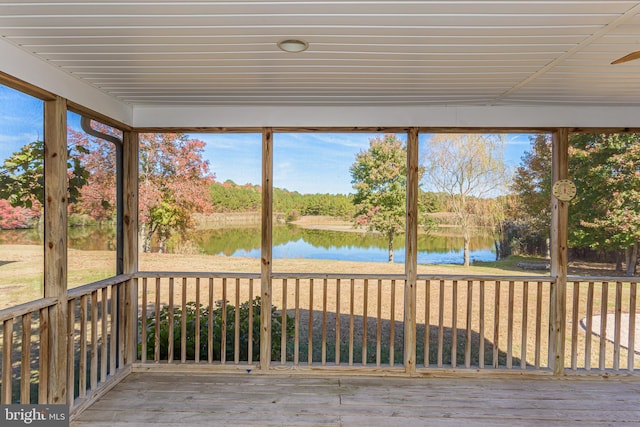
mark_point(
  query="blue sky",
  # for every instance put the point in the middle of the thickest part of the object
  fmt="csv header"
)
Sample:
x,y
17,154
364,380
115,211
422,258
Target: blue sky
x,y
303,162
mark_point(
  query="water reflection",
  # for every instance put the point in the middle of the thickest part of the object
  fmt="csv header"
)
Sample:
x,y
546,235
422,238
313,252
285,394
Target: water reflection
x,y
441,247
293,242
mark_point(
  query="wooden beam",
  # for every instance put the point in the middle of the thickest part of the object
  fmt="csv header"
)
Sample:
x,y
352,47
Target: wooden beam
x,y
129,236
55,243
411,253
22,86
559,252
266,257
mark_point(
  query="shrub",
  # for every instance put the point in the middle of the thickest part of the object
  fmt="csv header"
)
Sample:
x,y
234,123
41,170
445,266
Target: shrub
x,y
217,313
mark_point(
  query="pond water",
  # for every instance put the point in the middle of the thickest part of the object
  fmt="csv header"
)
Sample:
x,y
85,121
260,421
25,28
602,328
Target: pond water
x,y
443,246
294,242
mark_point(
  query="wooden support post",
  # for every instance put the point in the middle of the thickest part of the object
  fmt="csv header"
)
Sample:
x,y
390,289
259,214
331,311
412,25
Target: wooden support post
x,y
55,244
411,251
130,240
559,253
266,257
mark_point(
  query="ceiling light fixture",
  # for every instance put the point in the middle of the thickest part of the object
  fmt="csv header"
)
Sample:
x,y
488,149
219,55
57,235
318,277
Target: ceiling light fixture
x,y
293,45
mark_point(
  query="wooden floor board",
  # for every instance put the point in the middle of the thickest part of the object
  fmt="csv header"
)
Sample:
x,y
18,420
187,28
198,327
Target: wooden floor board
x,y
156,399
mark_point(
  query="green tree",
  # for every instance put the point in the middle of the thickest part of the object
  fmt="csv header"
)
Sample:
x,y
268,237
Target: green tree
x,y
530,215
465,167
606,213
22,176
379,176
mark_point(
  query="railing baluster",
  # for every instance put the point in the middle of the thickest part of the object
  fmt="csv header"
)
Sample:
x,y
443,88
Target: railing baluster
x,y
7,352
574,325
103,343
427,322
183,323
94,340
440,323
310,325
283,324
71,321
324,323
617,326
338,323
525,324
351,321
467,341
392,325
171,337
496,326
43,368
223,338
454,324
603,326
538,325
589,331
210,337
250,325
197,325
632,326
82,370
296,330
156,329
510,324
365,313
143,328
481,326
25,360
236,326
379,325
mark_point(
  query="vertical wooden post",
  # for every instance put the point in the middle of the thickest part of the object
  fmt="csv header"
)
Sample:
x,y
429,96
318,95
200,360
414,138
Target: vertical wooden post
x,y
55,243
559,253
130,238
266,257
411,251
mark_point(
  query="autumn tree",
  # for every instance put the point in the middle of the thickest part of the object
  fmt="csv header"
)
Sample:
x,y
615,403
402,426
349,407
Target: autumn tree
x,y
464,168
379,176
97,198
12,217
174,184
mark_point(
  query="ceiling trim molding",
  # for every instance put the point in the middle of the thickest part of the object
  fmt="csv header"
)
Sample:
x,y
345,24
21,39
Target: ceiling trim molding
x,y
507,117
32,70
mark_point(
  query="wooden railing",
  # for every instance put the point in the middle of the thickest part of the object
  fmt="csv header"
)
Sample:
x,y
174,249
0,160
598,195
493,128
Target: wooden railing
x,y
601,319
24,360
484,322
198,317
318,321
346,321
96,338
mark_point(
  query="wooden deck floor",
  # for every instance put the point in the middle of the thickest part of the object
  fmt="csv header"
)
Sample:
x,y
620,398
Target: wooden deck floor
x,y
163,399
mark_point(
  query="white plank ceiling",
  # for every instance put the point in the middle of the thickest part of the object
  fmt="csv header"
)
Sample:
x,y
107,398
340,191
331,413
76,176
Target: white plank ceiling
x,y
474,52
